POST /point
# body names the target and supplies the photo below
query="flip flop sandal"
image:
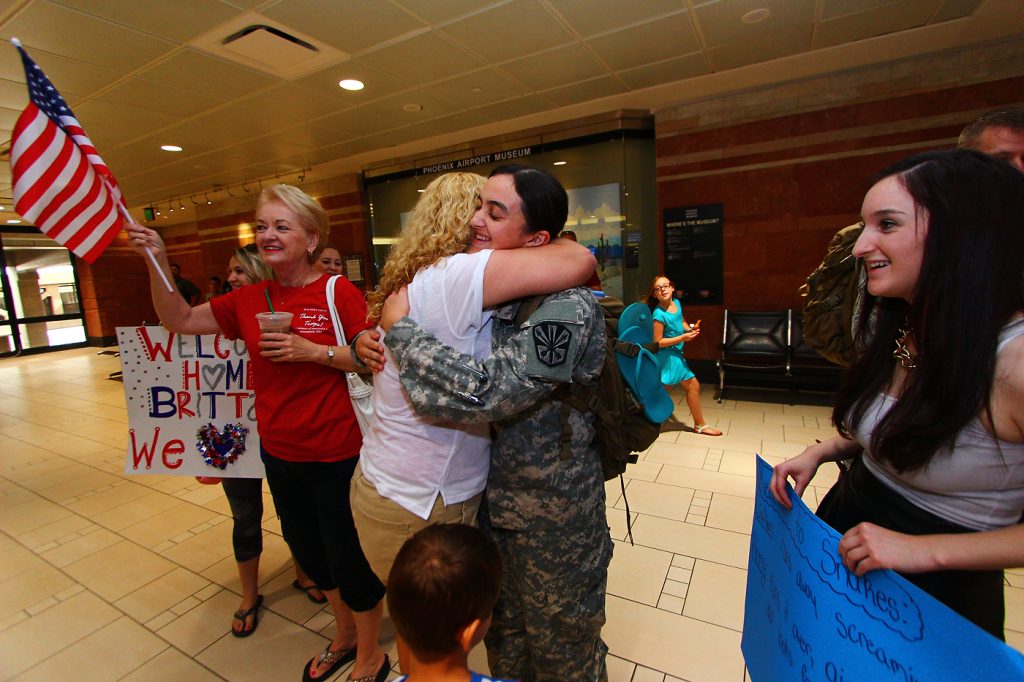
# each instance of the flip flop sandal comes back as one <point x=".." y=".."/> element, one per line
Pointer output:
<point x="309" y="592"/>
<point x="704" y="427"/>
<point x="335" y="659"/>
<point x="241" y="616"/>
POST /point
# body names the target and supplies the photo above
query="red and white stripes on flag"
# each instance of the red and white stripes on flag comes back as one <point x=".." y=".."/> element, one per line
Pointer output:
<point x="60" y="182"/>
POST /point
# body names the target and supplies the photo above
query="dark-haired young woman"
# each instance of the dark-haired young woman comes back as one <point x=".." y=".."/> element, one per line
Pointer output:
<point x="937" y="399"/>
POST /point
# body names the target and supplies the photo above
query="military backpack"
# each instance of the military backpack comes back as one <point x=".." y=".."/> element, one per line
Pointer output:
<point x="621" y="427"/>
<point x="832" y="299"/>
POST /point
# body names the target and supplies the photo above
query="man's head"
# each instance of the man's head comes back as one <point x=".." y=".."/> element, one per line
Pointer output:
<point x="998" y="133"/>
<point x="442" y="588"/>
<point x="175" y="270"/>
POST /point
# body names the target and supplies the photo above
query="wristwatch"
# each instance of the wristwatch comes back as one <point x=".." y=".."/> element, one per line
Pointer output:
<point x="330" y="355"/>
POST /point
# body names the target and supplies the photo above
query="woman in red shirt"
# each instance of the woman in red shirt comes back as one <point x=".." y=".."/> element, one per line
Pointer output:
<point x="310" y="439"/>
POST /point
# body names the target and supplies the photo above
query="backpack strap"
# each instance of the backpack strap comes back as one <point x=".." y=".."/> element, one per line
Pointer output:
<point x="527" y="308"/>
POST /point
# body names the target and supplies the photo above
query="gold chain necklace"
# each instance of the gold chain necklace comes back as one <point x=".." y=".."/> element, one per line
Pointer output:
<point x="902" y="353"/>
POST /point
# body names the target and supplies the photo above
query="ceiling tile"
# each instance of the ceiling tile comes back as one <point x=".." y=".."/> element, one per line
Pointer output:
<point x="955" y="9"/>
<point x="721" y="25"/>
<point x="266" y="150"/>
<point x="897" y="16"/>
<point x="278" y="108"/>
<point x="351" y="26"/>
<point x="198" y="135"/>
<point x="421" y="59"/>
<point x="761" y="48"/>
<point x="519" y="106"/>
<point x="68" y="32"/>
<point x="668" y="71"/>
<point x="487" y="33"/>
<point x="71" y="77"/>
<point x="604" y="86"/>
<point x="462" y="120"/>
<point x="143" y="94"/>
<point x="491" y="85"/>
<point x="556" y="67"/>
<point x="313" y="136"/>
<point x="838" y="8"/>
<point x="111" y="125"/>
<point x="591" y="17"/>
<point x="393" y="106"/>
<point x="8" y="117"/>
<point x="209" y="76"/>
<point x="178" y="21"/>
<point x="439" y="11"/>
<point x="667" y="37"/>
<point x="354" y="123"/>
<point x="378" y="84"/>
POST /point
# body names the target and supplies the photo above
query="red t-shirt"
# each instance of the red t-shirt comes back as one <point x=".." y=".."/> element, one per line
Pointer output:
<point x="303" y="412"/>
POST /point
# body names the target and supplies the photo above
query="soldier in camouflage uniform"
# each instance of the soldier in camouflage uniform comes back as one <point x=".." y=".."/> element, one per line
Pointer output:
<point x="545" y="500"/>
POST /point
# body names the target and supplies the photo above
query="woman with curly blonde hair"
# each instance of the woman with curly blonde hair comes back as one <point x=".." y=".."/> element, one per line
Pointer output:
<point x="415" y="471"/>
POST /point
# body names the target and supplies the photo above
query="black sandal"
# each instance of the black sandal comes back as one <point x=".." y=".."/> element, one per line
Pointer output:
<point x="241" y="616"/>
<point x="308" y="590"/>
<point x="335" y="659"/>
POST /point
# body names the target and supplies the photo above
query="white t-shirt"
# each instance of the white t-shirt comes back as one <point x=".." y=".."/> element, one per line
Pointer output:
<point x="410" y="459"/>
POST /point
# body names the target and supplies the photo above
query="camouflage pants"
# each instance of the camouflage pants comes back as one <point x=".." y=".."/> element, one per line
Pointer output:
<point x="547" y="623"/>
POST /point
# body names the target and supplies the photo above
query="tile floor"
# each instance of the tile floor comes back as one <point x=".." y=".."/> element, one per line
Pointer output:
<point x="110" y="577"/>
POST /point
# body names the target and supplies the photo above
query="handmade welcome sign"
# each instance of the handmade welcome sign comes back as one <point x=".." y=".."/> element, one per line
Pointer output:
<point x="807" y="618"/>
<point x="191" y="407"/>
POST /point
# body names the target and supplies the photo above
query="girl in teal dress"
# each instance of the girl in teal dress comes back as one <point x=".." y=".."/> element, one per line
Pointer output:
<point x="670" y="332"/>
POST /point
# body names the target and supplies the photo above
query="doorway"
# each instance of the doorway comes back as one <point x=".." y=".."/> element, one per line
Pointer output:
<point x="40" y="307"/>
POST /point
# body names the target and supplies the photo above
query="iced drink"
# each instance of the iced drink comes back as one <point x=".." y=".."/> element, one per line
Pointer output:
<point x="277" y="323"/>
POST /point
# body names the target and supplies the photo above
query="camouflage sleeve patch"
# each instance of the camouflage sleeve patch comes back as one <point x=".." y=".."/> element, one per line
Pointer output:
<point x="555" y="330"/>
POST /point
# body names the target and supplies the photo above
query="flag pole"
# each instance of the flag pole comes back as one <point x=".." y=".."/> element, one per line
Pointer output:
<point x="149" y="252"/>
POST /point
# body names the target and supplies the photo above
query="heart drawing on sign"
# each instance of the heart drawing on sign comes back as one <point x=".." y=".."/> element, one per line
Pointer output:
<point x="212" y="374"/>
<point x="221" y="447"/>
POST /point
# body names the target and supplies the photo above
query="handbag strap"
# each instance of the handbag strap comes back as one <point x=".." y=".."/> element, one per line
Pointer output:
<point x="339" y="330"/>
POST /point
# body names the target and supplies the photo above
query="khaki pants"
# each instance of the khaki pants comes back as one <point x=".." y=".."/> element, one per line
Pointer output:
<point x="383" y="525"/>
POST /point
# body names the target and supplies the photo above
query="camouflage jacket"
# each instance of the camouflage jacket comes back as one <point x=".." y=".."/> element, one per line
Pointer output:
<point x="529" y="485"/>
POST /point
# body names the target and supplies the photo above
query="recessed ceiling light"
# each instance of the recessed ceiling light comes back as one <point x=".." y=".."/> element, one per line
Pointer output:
<point x="477" y="90"/>
<point x="12" y="221"/>
<point x="351" y="84"/>
<point x="558" y="163"/>
<point x="170" y="147"/>
<point x="421" y="191"/>
<point x="756" y="16"/>
<point x="412" y="107"/>
<point x="3" y="208"/>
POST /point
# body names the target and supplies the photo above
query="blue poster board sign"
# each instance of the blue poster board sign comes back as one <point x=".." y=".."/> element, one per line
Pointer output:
<point x="807" y="618"/>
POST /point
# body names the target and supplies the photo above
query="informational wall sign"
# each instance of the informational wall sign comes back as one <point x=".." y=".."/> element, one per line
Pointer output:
<point x="693" y="252"/>
<point x="808" y="619"/>
<point x="191" y="407"/>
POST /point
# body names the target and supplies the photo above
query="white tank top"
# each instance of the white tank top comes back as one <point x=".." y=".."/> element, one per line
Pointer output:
<point x="978" y="482"/>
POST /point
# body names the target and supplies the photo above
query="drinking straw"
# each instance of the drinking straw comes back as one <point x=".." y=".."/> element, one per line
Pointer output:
<point x="267" y="294"/>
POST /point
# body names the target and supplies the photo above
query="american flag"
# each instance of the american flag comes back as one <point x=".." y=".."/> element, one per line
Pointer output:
<point x="60" y="182"/>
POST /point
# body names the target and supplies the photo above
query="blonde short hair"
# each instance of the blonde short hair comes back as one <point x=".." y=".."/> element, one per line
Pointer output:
<point x="437" y="227"/>
<point x="252" y="265"/>
<point x="312" y="216"/>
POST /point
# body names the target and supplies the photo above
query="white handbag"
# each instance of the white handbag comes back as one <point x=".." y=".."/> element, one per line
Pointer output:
<point x="360" y="391"/>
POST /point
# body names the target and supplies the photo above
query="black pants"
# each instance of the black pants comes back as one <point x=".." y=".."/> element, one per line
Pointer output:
<point x="316" y="520"/>
<point x="245" y="496"/>
<point x="859" y="496"/>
